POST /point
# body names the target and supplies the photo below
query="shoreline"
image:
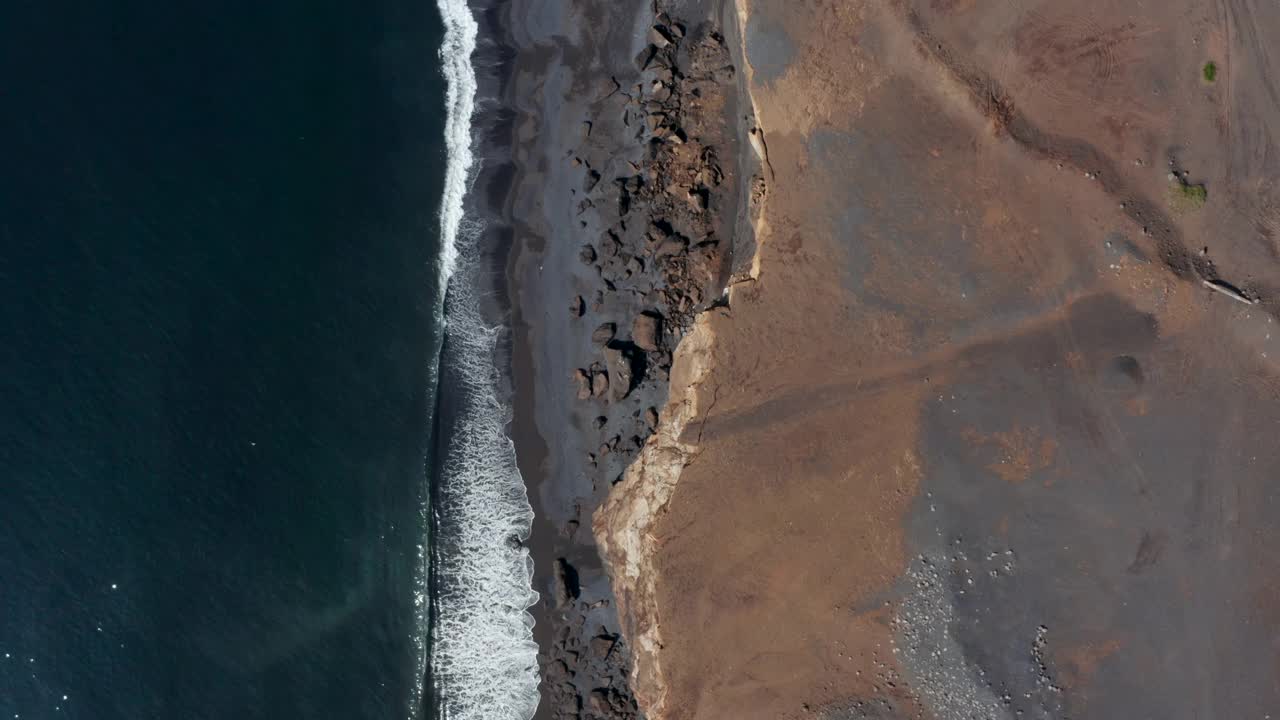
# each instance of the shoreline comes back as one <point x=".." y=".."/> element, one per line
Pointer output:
<point x="479" y="498"/>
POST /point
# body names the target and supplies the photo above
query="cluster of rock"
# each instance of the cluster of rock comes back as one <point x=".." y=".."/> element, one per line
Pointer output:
<point x="662" y="245"/>
<point x="660" y="258"/>
<point x="605" y="659"/>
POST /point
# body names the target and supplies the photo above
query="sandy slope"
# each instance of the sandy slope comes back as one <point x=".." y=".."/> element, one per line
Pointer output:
<point x="977" y="440"/>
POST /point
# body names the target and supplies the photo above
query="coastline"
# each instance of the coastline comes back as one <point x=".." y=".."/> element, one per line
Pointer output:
<point x="482" y="658"/>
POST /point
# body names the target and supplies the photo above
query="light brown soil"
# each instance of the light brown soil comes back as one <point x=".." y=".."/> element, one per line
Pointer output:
<point x="977" y="440"/>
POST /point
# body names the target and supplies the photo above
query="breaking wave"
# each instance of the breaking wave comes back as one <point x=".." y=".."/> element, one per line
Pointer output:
<point x="481" y="659"/>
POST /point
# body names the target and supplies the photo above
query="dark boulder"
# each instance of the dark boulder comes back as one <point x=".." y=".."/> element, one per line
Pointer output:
<point x="567" y="585"/>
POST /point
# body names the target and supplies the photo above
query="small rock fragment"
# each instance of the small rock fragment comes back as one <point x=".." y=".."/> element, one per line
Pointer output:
<point x="567" y="587"/>
<point x="674" y="245"/>
<point x="660" y="36"/>
<point x="602" y="645"/>
<point x="646" y="331"/>
<point x="645" y="57"/>
<point x="584" y="383"/>
<point x="619" y="371"/>
<point x="603" y="334"/>
<point x="599" y="384"/>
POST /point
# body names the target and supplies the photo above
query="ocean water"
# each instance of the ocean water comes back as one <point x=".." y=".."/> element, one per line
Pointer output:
<point x="222" y="257"/>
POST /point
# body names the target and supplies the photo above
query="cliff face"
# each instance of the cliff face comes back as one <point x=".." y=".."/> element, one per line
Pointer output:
<point x="625" y="524"/>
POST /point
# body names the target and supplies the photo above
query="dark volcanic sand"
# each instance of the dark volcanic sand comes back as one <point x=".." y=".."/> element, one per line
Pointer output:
<point x="568" y="56"/>
<point x="544" y="269"/>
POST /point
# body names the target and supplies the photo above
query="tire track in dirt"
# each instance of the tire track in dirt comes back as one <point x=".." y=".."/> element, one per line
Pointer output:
<point x="1251" y="150"/>
<point x="1055" y="47"/>
<point x="997" y="105"/>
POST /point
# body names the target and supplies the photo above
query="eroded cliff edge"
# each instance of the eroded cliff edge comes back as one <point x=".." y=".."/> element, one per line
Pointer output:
<point x="624" y="523"/>
<point x="627" y="176"/>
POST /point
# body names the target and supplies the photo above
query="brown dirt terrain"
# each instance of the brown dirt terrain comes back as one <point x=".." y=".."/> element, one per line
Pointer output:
<point x="978" y="440"/>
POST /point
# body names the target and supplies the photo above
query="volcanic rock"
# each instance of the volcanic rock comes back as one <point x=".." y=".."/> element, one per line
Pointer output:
<point x="660" y="36"/>
<point x="567" y="587"/>
<point x="603" y="334"/>
<point x="620" y="370"/>
<point x="584" y="383"/>
<point x="602" y="645"/>
<point x="599" y="384"/>
<point x="674" y="245"/>
<point x="646" y="331"/>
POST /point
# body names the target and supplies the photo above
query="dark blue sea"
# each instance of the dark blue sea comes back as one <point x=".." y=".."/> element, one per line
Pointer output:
<point x="220" y="314"/>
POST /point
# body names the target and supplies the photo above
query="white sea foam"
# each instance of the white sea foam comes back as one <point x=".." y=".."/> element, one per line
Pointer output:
<point x="483" y="660"/>
<point x="460" y="31"/>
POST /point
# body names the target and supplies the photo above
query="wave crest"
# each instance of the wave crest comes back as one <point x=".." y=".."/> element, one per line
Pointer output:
<point x="483" y="660"/>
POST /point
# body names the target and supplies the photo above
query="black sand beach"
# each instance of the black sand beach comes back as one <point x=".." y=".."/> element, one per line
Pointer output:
<point x="587" y="285"/>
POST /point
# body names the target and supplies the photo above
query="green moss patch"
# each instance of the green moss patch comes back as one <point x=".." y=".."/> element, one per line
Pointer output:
<point x="1185" y="196"/>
